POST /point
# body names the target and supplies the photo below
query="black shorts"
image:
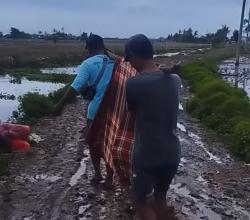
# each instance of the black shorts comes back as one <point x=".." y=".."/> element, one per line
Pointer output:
<point x="152" y="183"/>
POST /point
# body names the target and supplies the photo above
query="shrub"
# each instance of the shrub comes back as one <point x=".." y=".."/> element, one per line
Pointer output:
<point x="213" y="87"/>
<point x="234" y="106"/>
<point x="209" y="105"/>
<point x="193" y="106"/>
<point x="33" y="105"/>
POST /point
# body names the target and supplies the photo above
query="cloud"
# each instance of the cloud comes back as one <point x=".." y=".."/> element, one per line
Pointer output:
<point x="118" y="17"/>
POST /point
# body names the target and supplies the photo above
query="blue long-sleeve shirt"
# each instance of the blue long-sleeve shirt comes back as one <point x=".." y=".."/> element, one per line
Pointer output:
<point x="87" y="74"/>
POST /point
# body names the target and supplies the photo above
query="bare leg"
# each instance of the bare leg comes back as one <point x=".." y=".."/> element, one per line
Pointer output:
<point x="109" y="177"/>
<point x="96" y="160"/>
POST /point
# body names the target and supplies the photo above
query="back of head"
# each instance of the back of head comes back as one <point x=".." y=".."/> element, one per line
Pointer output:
<point x="95" y="43"/>
<point x="139" y="46"/>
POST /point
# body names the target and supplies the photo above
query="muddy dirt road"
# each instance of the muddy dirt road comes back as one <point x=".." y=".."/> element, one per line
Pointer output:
<point x="52" y="182"/>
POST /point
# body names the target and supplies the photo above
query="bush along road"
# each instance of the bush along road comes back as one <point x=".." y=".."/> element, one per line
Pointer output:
<point x="52" y="181"/>
<point x="222" y="108"/>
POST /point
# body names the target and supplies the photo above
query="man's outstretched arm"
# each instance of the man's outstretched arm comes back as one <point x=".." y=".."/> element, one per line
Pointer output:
<point x="67" y="97"/>
<point x="78" y="84"/>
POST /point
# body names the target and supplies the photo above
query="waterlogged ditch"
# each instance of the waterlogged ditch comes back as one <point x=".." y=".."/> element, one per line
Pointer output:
<point x="242" y="79"/>
<point x="11" y="88"/>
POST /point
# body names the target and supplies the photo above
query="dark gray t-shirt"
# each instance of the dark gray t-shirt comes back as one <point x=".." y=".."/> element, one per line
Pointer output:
<point x="154" y="98"/>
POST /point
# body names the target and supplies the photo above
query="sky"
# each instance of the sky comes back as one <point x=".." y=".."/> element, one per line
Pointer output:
<point x="120" y="18"/>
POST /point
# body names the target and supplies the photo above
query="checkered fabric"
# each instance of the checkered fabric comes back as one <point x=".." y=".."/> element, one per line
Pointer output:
<point x="112" y="130"/>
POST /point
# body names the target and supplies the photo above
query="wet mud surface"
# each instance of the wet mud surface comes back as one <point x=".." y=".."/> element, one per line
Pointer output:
<point x="53" y="181"/>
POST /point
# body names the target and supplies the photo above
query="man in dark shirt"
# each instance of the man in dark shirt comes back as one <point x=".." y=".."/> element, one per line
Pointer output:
<point x="153" y="97"/>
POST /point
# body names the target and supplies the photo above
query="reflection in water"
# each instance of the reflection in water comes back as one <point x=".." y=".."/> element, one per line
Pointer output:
<point x="242" y="78"/>
<point x="10" y="92"/>
<point x="16" y="80"/>
<point x="6" y="96"/>
<point x="63" y="70"/>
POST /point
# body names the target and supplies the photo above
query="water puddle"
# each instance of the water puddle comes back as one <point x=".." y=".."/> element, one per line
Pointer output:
<point x="181" y="127"/>
<point x="241" y="210"/>
<point x="183" y="53"/>
<point x="198" y="141"/>
<point x="61" y="70"/>
<point x="167" y="54"/>
<point x="201" y="179"/>
<point x="181" y="190"/>
<point x="181" y="107"/>
<point x="203" y="212"/>
<point x="43" y="177"/>
<point x="208" y="213"/>
<point x="81" y="170"/>
<point x="83" y="209"/>
<point x="7" y="86"/>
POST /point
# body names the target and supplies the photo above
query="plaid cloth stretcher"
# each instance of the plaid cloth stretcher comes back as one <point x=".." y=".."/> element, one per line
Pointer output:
<point x="112" y="130"/>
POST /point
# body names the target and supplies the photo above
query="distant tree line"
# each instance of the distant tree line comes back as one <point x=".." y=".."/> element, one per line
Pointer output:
<point x="190" y="36"/>
<point x="187" y="35"/>
<point x="56" y="35"/>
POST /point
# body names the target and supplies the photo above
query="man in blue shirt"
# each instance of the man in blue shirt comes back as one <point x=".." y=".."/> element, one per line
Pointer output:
<point x="87" y="75"/>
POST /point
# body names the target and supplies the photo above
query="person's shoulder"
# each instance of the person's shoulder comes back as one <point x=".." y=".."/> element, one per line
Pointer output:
<point x="131" y="82"/>
<point x="93" y="59"/>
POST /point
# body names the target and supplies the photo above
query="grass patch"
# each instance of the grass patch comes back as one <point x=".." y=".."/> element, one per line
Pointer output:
<point x="34" y="105"/>
<point x="221" y="107"/>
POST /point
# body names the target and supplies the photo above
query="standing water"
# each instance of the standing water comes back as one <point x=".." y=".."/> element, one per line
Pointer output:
<point x="11" y="89"/>
<point x="227" y="70"/>
<point x="61" y="70"/>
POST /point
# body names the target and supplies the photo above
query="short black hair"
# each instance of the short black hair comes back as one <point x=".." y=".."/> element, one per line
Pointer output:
<point x="139" y="46"/>
<point x="94" y="42"/>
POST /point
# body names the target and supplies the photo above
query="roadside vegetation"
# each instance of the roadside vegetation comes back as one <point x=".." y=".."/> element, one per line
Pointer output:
<point x="33" y="106"/>
<point x="221" y="107"/>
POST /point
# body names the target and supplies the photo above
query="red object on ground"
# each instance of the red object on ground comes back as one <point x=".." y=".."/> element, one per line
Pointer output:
<point x="14" y="131"/>
<point x="16" y="136"/>
<point x="19" y="145"/>
<point x="19" y="131"/>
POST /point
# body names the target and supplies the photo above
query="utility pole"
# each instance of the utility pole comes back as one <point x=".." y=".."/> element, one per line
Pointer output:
<point x="240" y="34"/>
<point x="248" y="26"/>
<point x="237" y="63"/>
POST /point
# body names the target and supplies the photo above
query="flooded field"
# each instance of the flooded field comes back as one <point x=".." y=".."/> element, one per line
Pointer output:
<point x="11" y="88"/>
<point x="229" y="73"/>
<point x="182" y="52"/>
<point x="61" y="70"/>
